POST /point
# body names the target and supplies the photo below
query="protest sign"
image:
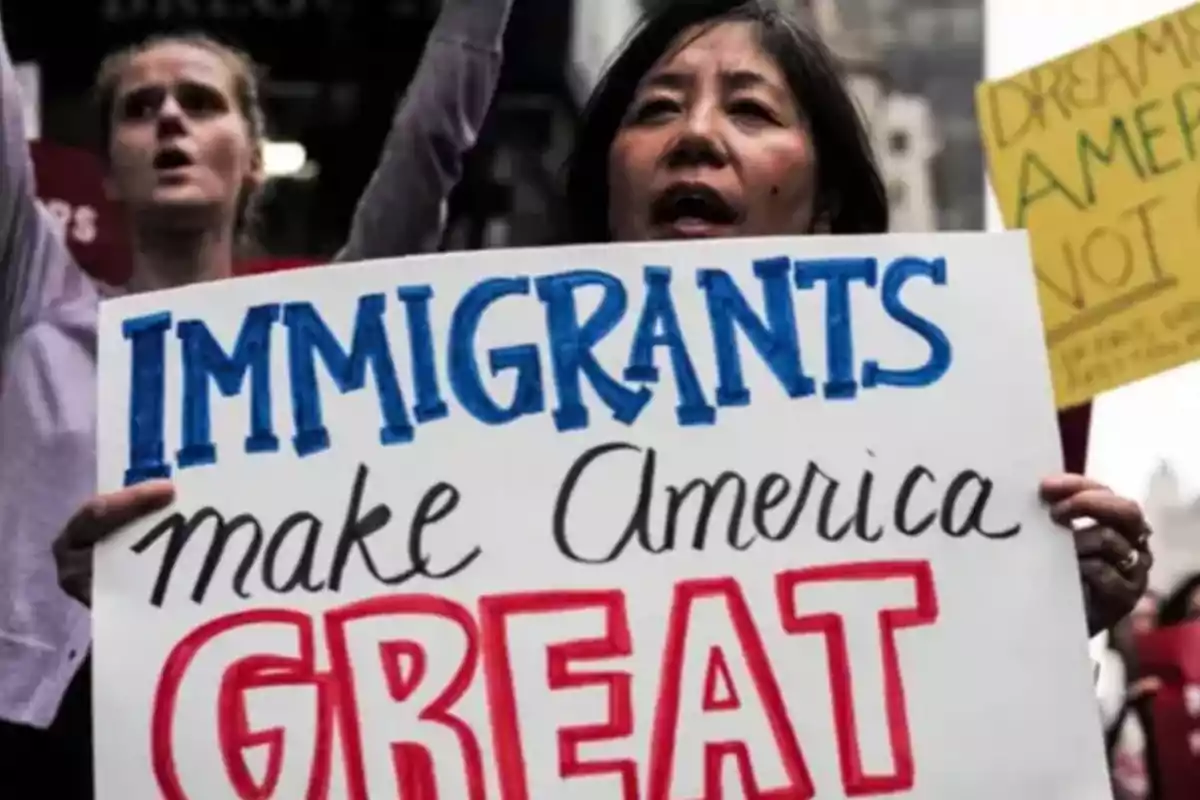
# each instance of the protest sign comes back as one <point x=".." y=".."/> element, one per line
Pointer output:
<point x="748" y="518"/>
<point x="1093" y="153"/>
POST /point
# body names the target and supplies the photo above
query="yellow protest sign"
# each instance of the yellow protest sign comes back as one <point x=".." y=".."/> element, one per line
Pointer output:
<point x="1096" y="154"/>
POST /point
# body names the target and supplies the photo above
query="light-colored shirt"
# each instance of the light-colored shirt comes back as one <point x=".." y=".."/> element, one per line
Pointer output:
<point x="48" y="315"/>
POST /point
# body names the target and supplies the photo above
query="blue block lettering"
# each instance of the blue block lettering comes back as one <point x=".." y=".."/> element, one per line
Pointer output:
<point x="836" y="273"/>
<point x="430" y="405"/>
<point x="775" y="341"/>
<point x="940" y="352"/>
<point x="659" y="327"/>
<point x="571" y="345"/>
<point x="203" y="358"/>
<point x="147" y="337"/>
<point x="528" y="396"/>
<point x="309" y="336"/>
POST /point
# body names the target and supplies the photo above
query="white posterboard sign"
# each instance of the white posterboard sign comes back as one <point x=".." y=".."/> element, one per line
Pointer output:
<point x="747" y="518"/>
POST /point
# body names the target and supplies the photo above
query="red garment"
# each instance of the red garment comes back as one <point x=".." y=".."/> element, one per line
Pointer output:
<point x="262" y="265"/>
<point x="1172" y="654"/>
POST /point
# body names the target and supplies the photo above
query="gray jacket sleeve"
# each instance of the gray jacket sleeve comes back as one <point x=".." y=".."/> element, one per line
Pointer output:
<point x="35" y="264"/>
<point x="402" y="210"/>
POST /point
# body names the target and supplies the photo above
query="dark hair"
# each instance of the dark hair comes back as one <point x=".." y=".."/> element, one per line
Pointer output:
<point x="1176" y="608"/>
<point x="850" y="193"/>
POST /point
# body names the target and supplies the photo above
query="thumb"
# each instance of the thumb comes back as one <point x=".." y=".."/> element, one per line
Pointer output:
<point x="107" y="513"/>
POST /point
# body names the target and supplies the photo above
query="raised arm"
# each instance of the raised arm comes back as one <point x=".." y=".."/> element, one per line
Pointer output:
<point x="402" y="209"/>
<point x="34" y="261"/>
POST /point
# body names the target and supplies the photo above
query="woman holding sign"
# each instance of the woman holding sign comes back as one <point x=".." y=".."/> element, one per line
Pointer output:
<point x="722" y="120"/>
<point x="182" y="137"/>
<point x="729" y="119"/>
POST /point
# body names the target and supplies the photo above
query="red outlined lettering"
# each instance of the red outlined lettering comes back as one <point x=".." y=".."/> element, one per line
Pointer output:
<point x="398" y="694"/>
<point x="233" y="730"/>
<point x="663" y="738"/>
<point x="414" y="764"/>
<point x="855" y="780"/>
<point x="719" y="692"/>
<point x="494" y="614"/>
<point x="236" y="737"/>
<point x="393" y="657"/>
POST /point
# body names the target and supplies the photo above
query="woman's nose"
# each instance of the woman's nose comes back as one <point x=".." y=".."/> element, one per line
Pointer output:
<point x="170" y="105"/>
<point x="702" y="119"/>
<point x="170" y="115"/>
<point x="699" y="142"/>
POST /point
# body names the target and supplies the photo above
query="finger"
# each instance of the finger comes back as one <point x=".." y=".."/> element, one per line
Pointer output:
<point x="1105" y="545"/>
<point x="1116" y="581"/>
<point x="1145" y="686"/>
<point x="107" y="513"/>
<point x="1109" y="591"/>
<point x="74" y="568"/>
<point x="1057" y="487"/>
<point x="76" y="587"/>
<point x="1110" y="583"/>
<point x="1120" y="513"/>
<point x="1146" y="563"/>
<point x="1141" y="692"/>
<point x="1099" y="542"/>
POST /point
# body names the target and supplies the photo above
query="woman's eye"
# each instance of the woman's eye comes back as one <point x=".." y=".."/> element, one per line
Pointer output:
<point x="655" y="109"/>
<point x="197" y="99"/>
<point x="141" y="104"/>
<point x="751" y="109"/>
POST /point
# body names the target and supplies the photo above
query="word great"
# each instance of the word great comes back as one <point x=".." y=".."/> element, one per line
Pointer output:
<point x="397" y="694"/>
<point x="570" y="344"/>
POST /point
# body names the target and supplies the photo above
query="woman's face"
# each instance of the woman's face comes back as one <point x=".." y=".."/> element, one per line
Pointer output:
<point x="713" y="144"/>
<point x="179" y="142"/>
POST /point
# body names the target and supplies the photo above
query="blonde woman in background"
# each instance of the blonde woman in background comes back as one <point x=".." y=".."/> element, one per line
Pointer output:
<point x="182" y="138"/>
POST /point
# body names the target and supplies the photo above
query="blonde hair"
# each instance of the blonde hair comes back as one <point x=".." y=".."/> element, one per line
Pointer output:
<point x="245" y="77"/>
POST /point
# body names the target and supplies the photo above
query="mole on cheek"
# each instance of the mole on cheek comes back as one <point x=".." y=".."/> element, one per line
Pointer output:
<point x="774" y="190"/>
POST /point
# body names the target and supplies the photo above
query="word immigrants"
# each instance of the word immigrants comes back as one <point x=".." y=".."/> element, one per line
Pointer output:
<point x="571" y="342"/>
<point x="427" y="700"/>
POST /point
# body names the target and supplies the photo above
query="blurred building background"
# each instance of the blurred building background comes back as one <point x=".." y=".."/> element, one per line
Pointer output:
<point x="915" y="64"/>
<point x="336" y="69"/>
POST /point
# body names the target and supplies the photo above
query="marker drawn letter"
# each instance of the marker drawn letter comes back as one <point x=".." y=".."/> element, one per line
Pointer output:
<point x="804" y="608"/>
<point x="401" y="663"/>
<point x="508" y="691"/>
<point x="717" y="684"/>
<point x="203" y="358"/>
<point x="308" y="338"/>
<point x="194" y="742"/>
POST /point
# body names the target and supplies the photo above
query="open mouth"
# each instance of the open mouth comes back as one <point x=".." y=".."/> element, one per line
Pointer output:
<point x="171" y="158"/>
<point x="693" y="203"/>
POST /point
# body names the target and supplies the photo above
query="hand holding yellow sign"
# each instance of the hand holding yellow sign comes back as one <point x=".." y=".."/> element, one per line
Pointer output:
<point x="1095" y="153"/>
